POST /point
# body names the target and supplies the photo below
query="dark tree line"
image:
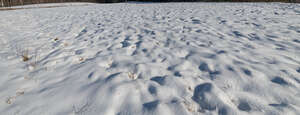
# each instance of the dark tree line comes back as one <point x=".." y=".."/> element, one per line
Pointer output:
<point x="9" y="3"/>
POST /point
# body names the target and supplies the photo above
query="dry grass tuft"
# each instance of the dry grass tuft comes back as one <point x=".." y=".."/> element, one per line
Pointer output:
<point x="55" y="39"/>
<point x="189" y="106"/>
<point x="25" y="56"/>
<point x="9" y="100"/>
<point x="31" y="59"/>
<point x="132" y="76"/>
<point x="190" y="88"/>
<point x="81" y="59"/>
<point x="19" y="93"/>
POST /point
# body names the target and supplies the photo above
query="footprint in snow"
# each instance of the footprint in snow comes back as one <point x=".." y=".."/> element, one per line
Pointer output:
<point x="246" y="71"/>
<point x="279" y="80"/>
<point x="204" y="67"/>
<point x="160" y="80"/>
<point x="230" y="68"/>
<point x="79" y="52"/>
<point x="201" y="95"/>
<point x="112" y="76"/>
<point x="152" y="90"/>
<point x="150" y="106"/>
<point x="91" y="75"/>
<point x="223" y="111"/>
<point x="221" y="52"/>
<point x="298" y="70"/>
<point x="196" y="21"/>
<point x="244" y="106"/>
<point x="279" y="105"/>
<point x="296" y="41"/>
<point x="125" y="43"/>
<point x="238" y="34"/>
<point x="177" y="74"/>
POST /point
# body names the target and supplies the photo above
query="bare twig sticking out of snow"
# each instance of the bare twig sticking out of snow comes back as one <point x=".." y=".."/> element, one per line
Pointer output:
<point x="35" y="59"/>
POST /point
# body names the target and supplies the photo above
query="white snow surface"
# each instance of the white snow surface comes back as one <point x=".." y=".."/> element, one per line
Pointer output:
<point x="151" y="59"/>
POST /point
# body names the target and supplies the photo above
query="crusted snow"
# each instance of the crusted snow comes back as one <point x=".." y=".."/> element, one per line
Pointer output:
<point x="151" y="58"/>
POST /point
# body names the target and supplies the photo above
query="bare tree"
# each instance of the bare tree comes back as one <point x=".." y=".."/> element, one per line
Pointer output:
<point x="8" y="3"/>
<point x="2" y="4"/>
<point x="21" y="2"/>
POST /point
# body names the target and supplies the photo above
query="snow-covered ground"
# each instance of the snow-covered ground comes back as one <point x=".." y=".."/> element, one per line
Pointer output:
<point x="151" y="58"/>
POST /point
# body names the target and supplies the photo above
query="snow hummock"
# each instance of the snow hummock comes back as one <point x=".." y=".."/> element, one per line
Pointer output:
<point x="151" y="58"/>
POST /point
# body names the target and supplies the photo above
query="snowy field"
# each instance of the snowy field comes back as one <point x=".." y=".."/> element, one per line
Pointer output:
<point x="151" y="59"/>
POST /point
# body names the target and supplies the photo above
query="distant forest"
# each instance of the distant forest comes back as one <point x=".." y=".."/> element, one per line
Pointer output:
<point x="8" y="3"/>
